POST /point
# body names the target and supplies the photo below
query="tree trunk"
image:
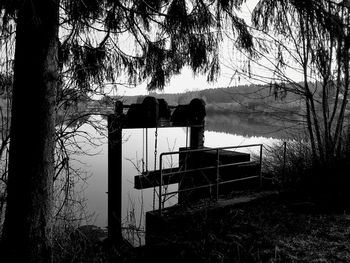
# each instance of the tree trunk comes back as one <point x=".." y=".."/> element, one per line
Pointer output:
<point x="27" y="226"/>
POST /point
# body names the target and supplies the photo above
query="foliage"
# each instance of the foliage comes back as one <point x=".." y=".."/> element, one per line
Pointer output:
<point x="89" y="52"/>
<point x="309" y="40"/>
<point x="79" y="244"/>
<point x="69" y="181"/>
<point x="288" y="165"/>
<point x="164" y="35"/>
<point x="290" y="168"/>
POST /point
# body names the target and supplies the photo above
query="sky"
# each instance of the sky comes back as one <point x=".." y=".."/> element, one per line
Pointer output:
<point x="183" y="82"/>
<point x="186" y="81"/>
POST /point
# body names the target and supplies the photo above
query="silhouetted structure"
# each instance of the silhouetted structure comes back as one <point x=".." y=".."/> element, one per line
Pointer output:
<point x="200" y="172"/>
<point x="151" y="113"/>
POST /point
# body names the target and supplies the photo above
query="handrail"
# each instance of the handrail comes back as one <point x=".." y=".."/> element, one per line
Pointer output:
<point x="207" y="168"/>
<point x="211" y="149"/>
<point x="217" y="166"/>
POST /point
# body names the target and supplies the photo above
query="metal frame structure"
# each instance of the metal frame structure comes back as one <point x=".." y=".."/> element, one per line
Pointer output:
<point x="217" y="167"/>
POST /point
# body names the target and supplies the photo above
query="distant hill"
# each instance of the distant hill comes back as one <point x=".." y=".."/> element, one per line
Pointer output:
<point x="219" y="95"/>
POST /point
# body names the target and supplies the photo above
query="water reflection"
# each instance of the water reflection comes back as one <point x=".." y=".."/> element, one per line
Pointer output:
<point x="135" y="159"/>
<point x="254" y="125"/>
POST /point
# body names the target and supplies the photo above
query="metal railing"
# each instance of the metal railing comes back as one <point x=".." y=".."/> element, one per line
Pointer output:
<point x="217" y="167"/>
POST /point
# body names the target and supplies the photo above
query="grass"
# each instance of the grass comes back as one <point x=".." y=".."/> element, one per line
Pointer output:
<point x="278" y="228"/>
<point x="287" y="164"/>
<point x="290" y="231"/>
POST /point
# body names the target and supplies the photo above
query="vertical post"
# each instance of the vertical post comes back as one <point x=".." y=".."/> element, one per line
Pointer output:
<point x="146" y="150"/>
<point x="195" y="118"/>
<point x="217" y="173"/>
<point x="260" y="172"/>
<point x="160" y="183"/>
<point x="192" y="160"/>
<point x="186" y="136"/>
<point x="196" y="114"/>
<point x="115" y="174"/>
<point x="197" y="137"/>
<point x="284" y="161"/>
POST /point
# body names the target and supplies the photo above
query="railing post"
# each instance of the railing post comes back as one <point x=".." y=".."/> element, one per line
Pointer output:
<point x="217" y="173"/>
<point x="260" y="172"/>
<point x="160" y="183"/>
<point x="284" y="161"/>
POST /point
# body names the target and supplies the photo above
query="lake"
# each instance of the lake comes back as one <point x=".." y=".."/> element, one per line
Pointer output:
<point x="136" y="202"/>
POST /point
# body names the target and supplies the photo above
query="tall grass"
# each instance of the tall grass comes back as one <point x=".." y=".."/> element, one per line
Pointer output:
<point x="287" y="164"/>
<point x="291" y="166"/>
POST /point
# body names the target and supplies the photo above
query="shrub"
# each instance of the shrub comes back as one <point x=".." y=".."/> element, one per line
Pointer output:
<point x="288" y="165"/>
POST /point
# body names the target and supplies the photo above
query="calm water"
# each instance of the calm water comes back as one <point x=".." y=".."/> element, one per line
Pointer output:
<point x="137" y="202"/>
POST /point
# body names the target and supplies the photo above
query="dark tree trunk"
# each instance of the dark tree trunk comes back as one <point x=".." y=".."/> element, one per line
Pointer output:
<point x="26" y="232"/>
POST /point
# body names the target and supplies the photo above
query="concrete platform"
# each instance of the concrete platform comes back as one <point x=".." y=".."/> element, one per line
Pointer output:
<point x="177" y="220"/>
